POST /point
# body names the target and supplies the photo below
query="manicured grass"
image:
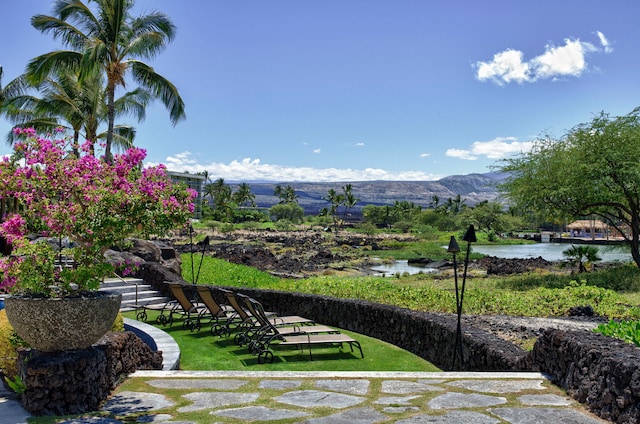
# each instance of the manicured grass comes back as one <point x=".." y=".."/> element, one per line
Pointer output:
<point x="200" y="350"/>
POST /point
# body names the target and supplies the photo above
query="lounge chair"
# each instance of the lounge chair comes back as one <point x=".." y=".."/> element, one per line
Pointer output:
<point x="248" y="322"/>
<point x="142" y="313"/>
<point x="222" y="315"/>
<point x="265" y="332"/>
<point x="180" y="305"/>
<point x="300" y="339"/>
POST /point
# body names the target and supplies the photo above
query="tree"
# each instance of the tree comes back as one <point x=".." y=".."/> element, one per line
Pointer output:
<point x="114" y="41"/>
<point x="243" y="196"/>
<point x="67" y="102"/>
<point x="454" y="205"/>
<point x="1" y="89"/>
<point x="377" y="215"/>
<point x="285" y="194"/>
<point x="593" y="170"/>
<point x="335" y="199"/>
<point x="582" y="256"/>
<point x="346" y="199"/>
<point x="287" y="211"/>
<point x="349" y="200"/>
<point x="405" y="211"/>
<point x="435" y="201"/>
<point x="220" y="194"/>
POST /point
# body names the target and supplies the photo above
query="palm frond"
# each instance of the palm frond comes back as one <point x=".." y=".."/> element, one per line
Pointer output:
<point x="160" y="87"/>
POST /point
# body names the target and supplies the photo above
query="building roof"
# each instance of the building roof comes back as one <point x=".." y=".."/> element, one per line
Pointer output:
<point x="587" y="224"/>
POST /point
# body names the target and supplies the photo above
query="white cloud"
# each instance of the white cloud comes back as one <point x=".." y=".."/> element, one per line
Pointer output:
<point x="460" y="154"/>
<point x="497" y="148"/>
<point x="181" y="159"/>
<point x="604" y="42"/>
<point x="506" y="66"/>
<point x="564" y="60"/>
<point x="359" y="144"/>
<point x="316" y="151"/>
<point x="425" y="155"/>
<point x="249" y="169"/>
<point x="557" y="61"/>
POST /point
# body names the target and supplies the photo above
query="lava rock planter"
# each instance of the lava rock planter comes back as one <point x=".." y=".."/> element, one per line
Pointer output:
<point x="67" y="323"/>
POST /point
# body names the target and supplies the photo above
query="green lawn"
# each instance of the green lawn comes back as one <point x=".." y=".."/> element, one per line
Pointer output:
<point x="200" y="350"/>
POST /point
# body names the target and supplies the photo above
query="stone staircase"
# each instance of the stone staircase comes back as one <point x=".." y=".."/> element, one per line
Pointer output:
<point x="134" y="292"/>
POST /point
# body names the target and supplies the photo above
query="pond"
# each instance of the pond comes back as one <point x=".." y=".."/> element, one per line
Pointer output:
<point x="548" y="251"/>
<point x="400" y="267"/>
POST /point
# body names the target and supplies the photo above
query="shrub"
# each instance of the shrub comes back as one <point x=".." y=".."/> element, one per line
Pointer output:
<point x="9" y="342"/>
<point x="118" y="324"/>
<point x="629" y="331"/>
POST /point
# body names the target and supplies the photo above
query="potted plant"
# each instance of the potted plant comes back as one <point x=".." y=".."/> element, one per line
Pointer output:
<point x="65" y="193"/>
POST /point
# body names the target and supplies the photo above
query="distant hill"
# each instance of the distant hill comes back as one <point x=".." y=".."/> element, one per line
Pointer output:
<point x="473" y="188"/>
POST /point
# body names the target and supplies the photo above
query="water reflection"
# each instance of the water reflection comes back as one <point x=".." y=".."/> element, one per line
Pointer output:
<point x="400" y="267"/>
<point x="549" y="251"/>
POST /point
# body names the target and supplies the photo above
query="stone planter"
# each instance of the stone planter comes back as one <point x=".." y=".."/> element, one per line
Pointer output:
<point x="58" y="324"/>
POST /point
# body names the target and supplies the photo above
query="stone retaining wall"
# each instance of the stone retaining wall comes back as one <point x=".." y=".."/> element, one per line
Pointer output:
<point x="78" y="381"/>
<point x="599" y="371"/>
<point x="429" y="336"/>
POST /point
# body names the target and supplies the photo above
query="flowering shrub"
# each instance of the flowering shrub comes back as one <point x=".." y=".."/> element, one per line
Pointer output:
<point x="94" y="203"/>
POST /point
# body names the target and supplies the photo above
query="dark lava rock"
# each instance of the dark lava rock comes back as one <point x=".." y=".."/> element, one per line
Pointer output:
<point x="502" y="266"/>
<point x="582" y="311"/>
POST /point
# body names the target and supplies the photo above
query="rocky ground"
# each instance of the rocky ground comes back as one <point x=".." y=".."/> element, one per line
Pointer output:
<point x="300" y="254"/>
<point x="305" y="253"/>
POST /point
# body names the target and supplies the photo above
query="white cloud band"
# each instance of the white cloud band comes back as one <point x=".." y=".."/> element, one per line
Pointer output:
<point x="497" y="148"/>
<point x="557" y="61"/>
<point x="249" y="169"/>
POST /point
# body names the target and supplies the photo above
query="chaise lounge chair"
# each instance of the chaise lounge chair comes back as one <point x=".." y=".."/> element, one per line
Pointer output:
<point x="300" y="339"/>
<point x="249" y="323"/>
<point x="180" y="305"/>
<point x="222" y="315"/>
<point x="265" y="332"/>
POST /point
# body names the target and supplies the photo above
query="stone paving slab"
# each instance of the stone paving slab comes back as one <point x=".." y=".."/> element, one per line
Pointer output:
<point x="340" y="397"/>
<point x="542" y="415"/>
<point x="266" y="414"/>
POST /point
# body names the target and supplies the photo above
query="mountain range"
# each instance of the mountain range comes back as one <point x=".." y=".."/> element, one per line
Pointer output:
<point x="472" y="188"/>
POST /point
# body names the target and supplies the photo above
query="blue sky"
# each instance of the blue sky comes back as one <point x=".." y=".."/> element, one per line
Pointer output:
<point x="353" y="90"/>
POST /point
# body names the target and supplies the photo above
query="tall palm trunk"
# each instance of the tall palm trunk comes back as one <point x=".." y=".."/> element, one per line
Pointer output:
<point x="111" y="113"/>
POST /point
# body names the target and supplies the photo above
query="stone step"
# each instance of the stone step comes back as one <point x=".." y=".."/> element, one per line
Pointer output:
<point x="141" y="294"/>
<point x="130" y="288"/>
<point x="134" y="292"/>
<point x="125" y="282"/>
<point x="155" y="300"/>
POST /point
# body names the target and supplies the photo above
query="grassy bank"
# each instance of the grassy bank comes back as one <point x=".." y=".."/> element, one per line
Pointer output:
<point x="611" y="292"/>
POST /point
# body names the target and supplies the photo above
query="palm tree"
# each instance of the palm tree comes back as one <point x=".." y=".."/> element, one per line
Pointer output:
<point x="206" y="176"/>
<point x="220" y="193"/>
<point x="582" y="256"/>
<point x="349" y="200"/>
<point x="285" y="194"/>
<point x="335" y="199"/>
<point x="68" y="102"/>
<point x="455" y="205"/>
<point x="435" y="200"/>
<point x="243" y="196"/>
<point x="1" y="90"/>
<point x="113" y="41"/>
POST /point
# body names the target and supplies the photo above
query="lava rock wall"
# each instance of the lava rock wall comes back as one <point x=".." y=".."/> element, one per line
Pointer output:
<point x="78" y="381"/>
<point x="599" y="371"/>
<point x="430" y="336"/>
